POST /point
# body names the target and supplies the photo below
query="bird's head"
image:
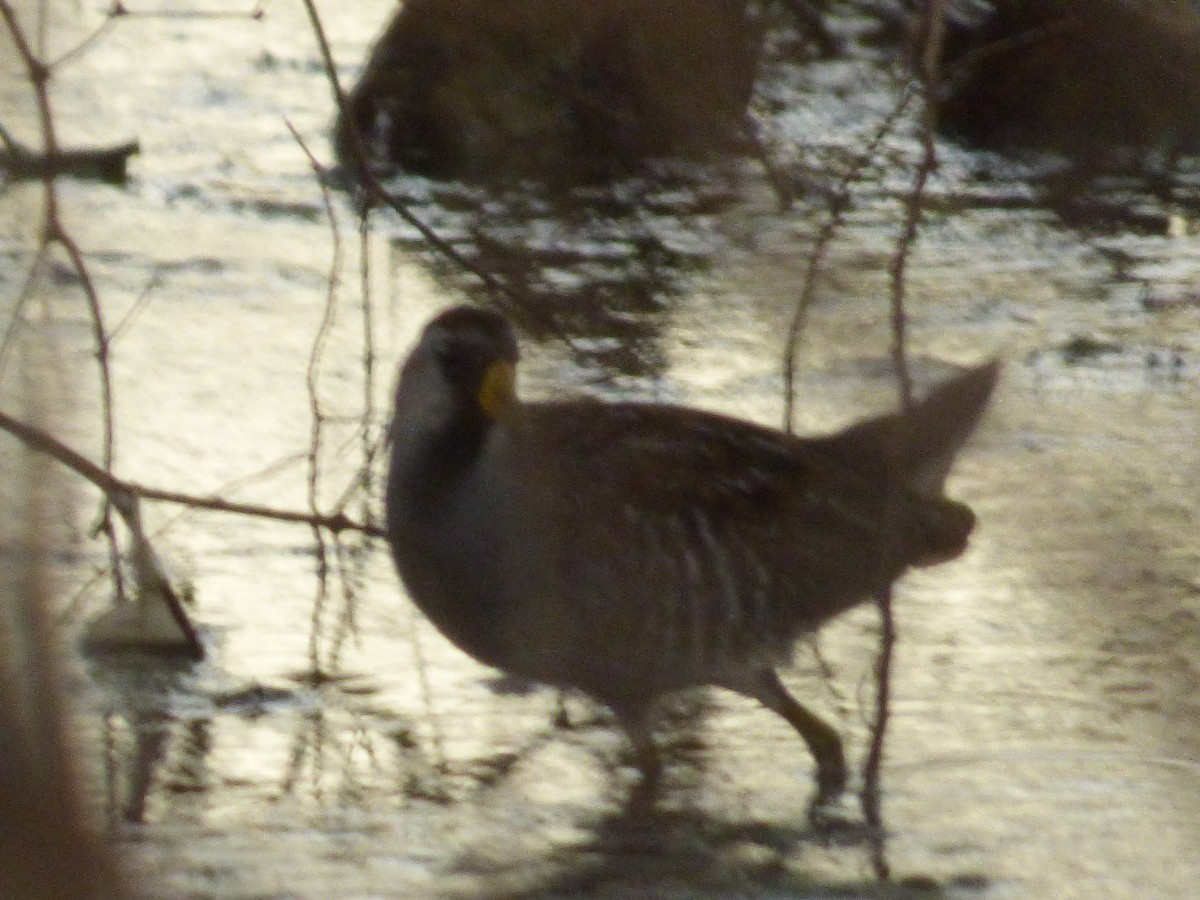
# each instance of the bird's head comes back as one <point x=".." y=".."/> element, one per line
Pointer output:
<point x="464" y="366"/>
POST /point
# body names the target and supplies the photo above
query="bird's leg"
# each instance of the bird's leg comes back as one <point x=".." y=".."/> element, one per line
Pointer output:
<point x="823" y="741"/>
<point x="562" y="718"/>
<point x="646" y="756"/>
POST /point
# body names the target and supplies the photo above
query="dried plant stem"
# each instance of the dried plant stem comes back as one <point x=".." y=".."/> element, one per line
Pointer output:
<point x="376" y="193"/>
<point x="370" y="444"/>
<point x="361" y="483"/>
<point x="312" y="384"/>
<point x="928" y="51"/>
<point x="839" y="205"/>
<point x="53" y="231"/>
<point x="8" y="341"/>
<point x="111" y="485"/>
<point x="52" y="228"/>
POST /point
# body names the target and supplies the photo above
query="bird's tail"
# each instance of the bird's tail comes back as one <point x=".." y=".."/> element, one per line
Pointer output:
<point x="920" y="446"/>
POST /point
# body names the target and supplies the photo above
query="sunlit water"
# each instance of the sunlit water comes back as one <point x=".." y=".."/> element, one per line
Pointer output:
<point x="1047" y="697"/>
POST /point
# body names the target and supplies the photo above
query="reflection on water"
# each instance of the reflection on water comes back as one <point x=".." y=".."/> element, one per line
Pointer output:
<point x="597" y="268"/>
<point x="1048" y="688"/>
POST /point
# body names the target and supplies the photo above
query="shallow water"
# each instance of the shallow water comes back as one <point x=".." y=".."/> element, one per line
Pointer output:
<point x="1047" y="697"/>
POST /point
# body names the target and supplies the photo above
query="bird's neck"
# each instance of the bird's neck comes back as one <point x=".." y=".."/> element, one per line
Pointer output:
<point x="427" y="469"/>
<point x="440" y="518"/>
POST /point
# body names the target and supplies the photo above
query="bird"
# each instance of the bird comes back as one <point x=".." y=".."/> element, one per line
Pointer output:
<point x="634" y="550"/>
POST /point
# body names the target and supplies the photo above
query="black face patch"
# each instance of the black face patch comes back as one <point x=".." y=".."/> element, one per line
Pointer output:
<point x="467" y="341"/>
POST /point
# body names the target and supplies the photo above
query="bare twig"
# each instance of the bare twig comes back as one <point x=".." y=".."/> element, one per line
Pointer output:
<point x="12" y="329"/>
<point x="347" y="621"/>
<point x="370" y="443"/>
<point x="85" y="44"/>
<point x="927" y="54"/>
<point x="839" y="205"/>
<point x="376" y="193"/>
<point x="54" y="232"/>
<point x="311" y="380"/>
<point x="111" y="485"/>
<point x="350" y="563"/>
<point x="139" y="304"/>
<point x="152" y="581"/>
<point x="360" y="484"/>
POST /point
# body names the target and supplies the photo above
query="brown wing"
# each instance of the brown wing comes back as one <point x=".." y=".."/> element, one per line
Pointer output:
<point x="656" y="460"/>
<point x="696" y="541"/>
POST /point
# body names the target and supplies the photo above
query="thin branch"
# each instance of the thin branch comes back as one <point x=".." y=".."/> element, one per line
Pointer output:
<point x="374" y="191"/>
<point x="99" y="336"/>
<point x="111" y="485"/>
<point x="316" y="670"/>
<point x="927" y="53"/>
<point x="139" y="305"/>
<point x="53" y="231"/>
<point x="14" y="322"/>
<point x="83" y="45"/>
<point x="369" y="443"/>
<point x="839" y="205"/>
<point x="347" y="622"/>
<point x="360" y="483"/>
<point x="312" y="376"/>
<point x="149" y="574"/>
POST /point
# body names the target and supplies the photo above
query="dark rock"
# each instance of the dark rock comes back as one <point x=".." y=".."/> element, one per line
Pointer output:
<point x="1084" y="78"/>
<point x="559" y="89"/>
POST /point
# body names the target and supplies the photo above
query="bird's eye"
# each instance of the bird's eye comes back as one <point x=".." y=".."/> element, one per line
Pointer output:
<point x="461" y="362"/>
